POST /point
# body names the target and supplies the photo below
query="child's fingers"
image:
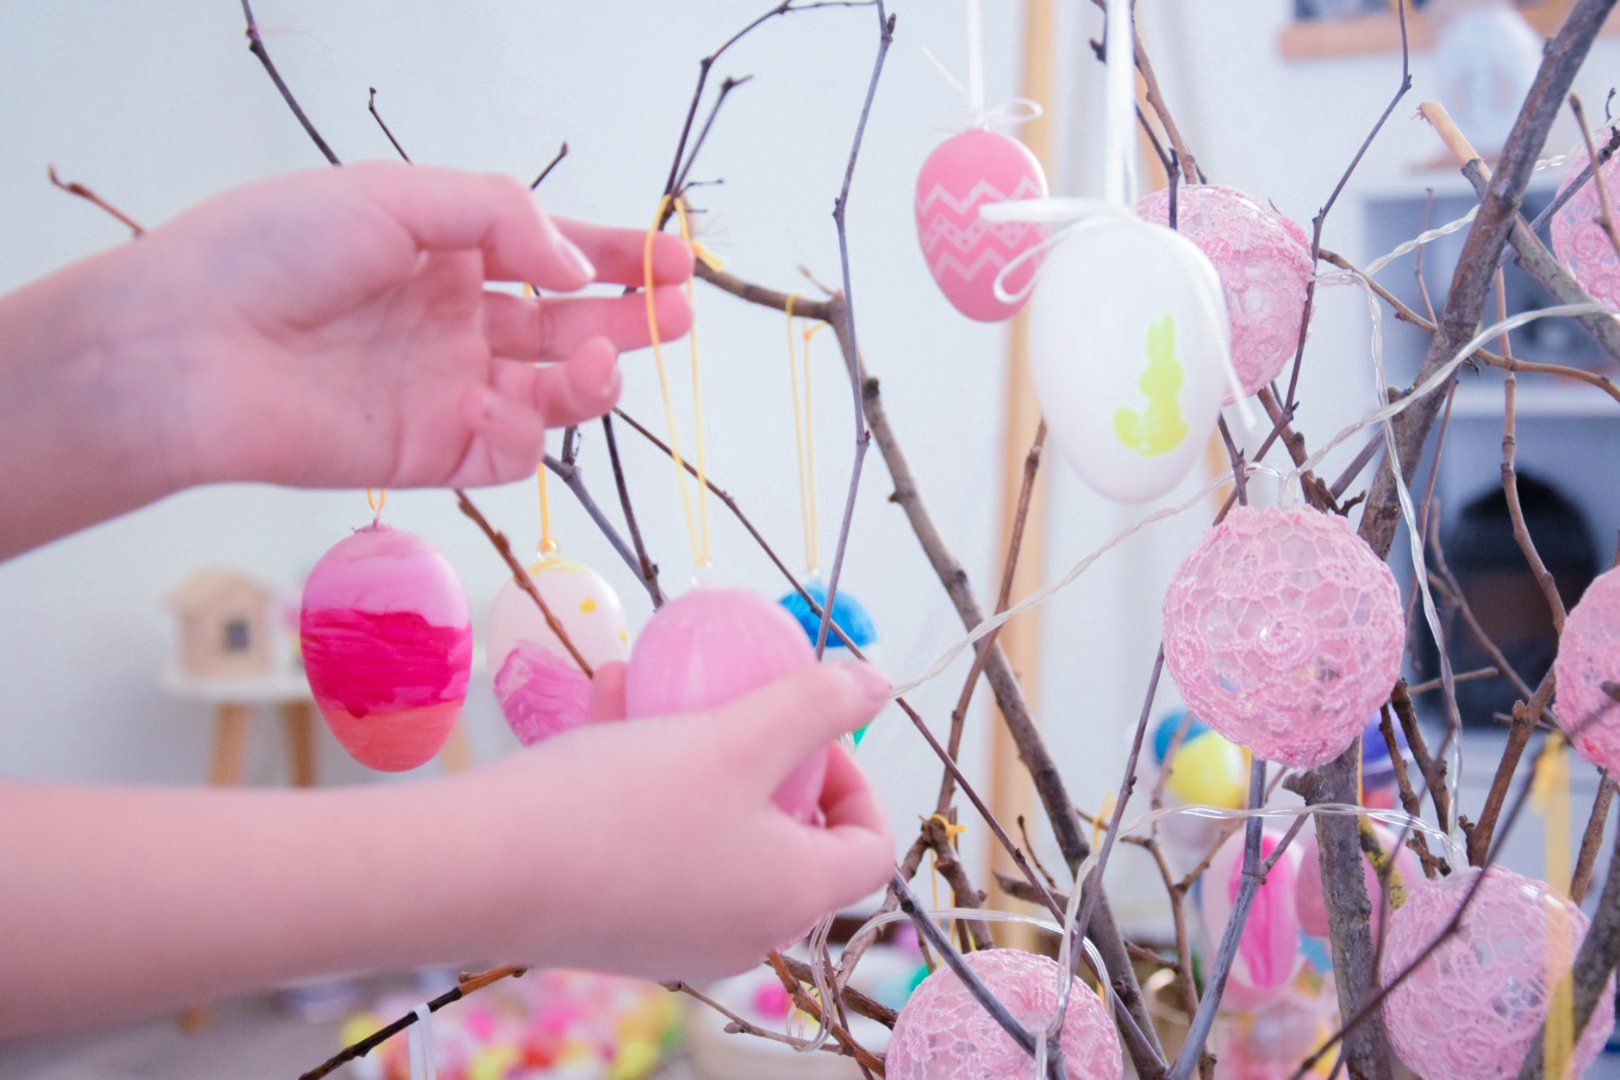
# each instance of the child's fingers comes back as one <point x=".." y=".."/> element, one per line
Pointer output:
<point x="582" y="388"/>
<point x="780" y="725"/>
<point x="527" y="328"/>
<point x="618" y="254"/>
<point x="846" y="797"/>
<point x="445" y="210"/>
<point x="607" y="692"/>
<point x="853" y="854"/>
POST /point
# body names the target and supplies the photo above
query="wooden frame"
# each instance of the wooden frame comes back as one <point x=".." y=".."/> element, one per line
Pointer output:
<point x="1314" y="39"/>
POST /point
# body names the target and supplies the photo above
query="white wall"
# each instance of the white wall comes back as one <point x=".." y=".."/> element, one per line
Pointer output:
<point x="156" y="106"/>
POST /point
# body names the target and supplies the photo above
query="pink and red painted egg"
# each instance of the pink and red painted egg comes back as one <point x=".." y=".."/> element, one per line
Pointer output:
<point x="387" y="646"/>
<point x="965" y="173"/>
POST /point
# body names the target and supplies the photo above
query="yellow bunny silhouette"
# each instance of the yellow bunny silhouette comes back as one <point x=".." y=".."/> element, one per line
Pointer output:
<point x="1159" y="428"/>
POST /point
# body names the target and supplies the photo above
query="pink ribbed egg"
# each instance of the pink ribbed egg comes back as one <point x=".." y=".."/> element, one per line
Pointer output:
<point x="964" y="253"/>
<point x="1589" y="659"/>
<point x="1581" y="243"/>
<point x="1284" y="632"/>
<point x="943" y="1033"/>
<point x="711" y="646"/>
<point x="1264" y="263"/>
<point x="387" y="646"/>
<point x="1268" y="955"/>
<point x="1312" y="904"/>
<point x="1472" y="1009"/>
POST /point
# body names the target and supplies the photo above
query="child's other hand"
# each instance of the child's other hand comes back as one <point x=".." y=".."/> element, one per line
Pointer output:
<point x="673" y="861"/>
<point x="332" y="328"/>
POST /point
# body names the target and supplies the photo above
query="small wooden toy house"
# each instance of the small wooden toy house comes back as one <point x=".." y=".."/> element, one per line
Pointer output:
<point x="224" y="625"/>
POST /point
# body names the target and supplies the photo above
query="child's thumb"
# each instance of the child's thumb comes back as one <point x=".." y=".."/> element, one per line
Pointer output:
<point x="607" y="693"/>
<point x="781" y="724"/>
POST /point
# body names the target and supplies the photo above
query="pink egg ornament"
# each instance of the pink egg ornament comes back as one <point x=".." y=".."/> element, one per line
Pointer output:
<point x="387" y="646"/>
<point x="712" y="646"/>
<point x="1264" y="263"/>
<point x="1268" y="955"/>
<point x="943" y="1033"/>
<point x="1312" y="904"/>
<point x="1581" y="243"/>
<point x="541" y="689"/>
<point x="964" y="253"/>
<point x="1472" y="1009"/>
<point x="1589" y="658"/>
<point x="1284" y="632"/>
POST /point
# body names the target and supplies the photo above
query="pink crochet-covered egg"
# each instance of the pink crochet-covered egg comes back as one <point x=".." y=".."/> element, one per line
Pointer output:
<point x="387" y="646"/>
<point x="1284" y="632"/>
<point x="943" y="1033"/>
<point x="711" y="646"/>
<point x="1581" y="243"/>
<point x="541" y="690"/>
<point x="1472" y="1009"/>
<point x="1587" y="672"/>
<point x="1264" y="263"/>
<point x="964" y="252"/>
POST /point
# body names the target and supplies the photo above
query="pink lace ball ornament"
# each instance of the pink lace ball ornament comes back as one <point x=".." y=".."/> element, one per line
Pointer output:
<point x="965" y="253"/>
<point x="943" y="1033"/>
<point x="1264" y="263"/>
<point x="1577" y="237"/>
<point x="541" y="690"/>
<point x="1284" y="632"/>
<point x="1471" y="1010"/>
<point x="387" y="646"/>
<point x="1589" y="658"/>
<point x="711" y="646"/>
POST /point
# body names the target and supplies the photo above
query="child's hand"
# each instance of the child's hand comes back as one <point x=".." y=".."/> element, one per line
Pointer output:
<point x="332" y="328"/>
<point x="672" y="861"/>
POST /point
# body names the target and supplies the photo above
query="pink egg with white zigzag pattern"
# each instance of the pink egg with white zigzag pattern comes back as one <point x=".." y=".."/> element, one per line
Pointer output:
<point x="964" y="253"/>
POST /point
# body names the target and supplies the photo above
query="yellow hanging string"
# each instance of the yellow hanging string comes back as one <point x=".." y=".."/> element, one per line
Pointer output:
<point x="548" y="543"/>
<point x="697" y="523"/>
<point x="1550" y="796"/>
<point x="376" y="498"/>
<point x="814" y="527"/>
<point x="1097" y="822"/>
<point x="803" y="439"/>
<point x="952" y="831"/>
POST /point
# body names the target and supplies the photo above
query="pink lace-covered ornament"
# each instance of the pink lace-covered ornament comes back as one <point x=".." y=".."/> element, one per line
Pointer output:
<point x="711" y="646"/>
<point x="1577" y="237"/>
<point x="1284" y="633"/>
<point x="944" y="1034"/>
<point x="387" y="646"/>
<point x="1588" y="658"/>
<point x="1471" y="1010"/>
<point x="1264" y="263"/>
<point x="964" y="252"/>
<point x="541" y="690"/>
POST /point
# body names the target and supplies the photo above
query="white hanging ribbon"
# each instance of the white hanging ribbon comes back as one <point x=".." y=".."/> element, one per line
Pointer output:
<point x="1119" y="104"/>
<point x="421" y="1046"/>
<point x="1009" y="113"/>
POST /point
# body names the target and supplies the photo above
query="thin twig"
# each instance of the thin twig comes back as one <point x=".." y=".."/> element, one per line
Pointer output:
<point x="256" y="47"/>
<point x="1606" y="212"/>
<point x="466" y="984"/>
<point x="1591" y="841"/>
<point x="371" y="107"/>
<point x="556" y="160"/>
<point x="645" y="569"/>
<point x="75" y="188"/>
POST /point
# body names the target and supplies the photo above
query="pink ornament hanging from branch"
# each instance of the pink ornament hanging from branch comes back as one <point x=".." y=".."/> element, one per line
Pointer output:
<point x="387" y="646"/>
<point x="1284" y="632"/>
<point x="1473" y="1008"/>
<point x="712" y="646"/>
<point x="1579" y="238"/>
<point x="1264" y="262"/>
<point x="1587" y="672"/>
<point x="943" y="1033"/>
<point x="541" y="690"/>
